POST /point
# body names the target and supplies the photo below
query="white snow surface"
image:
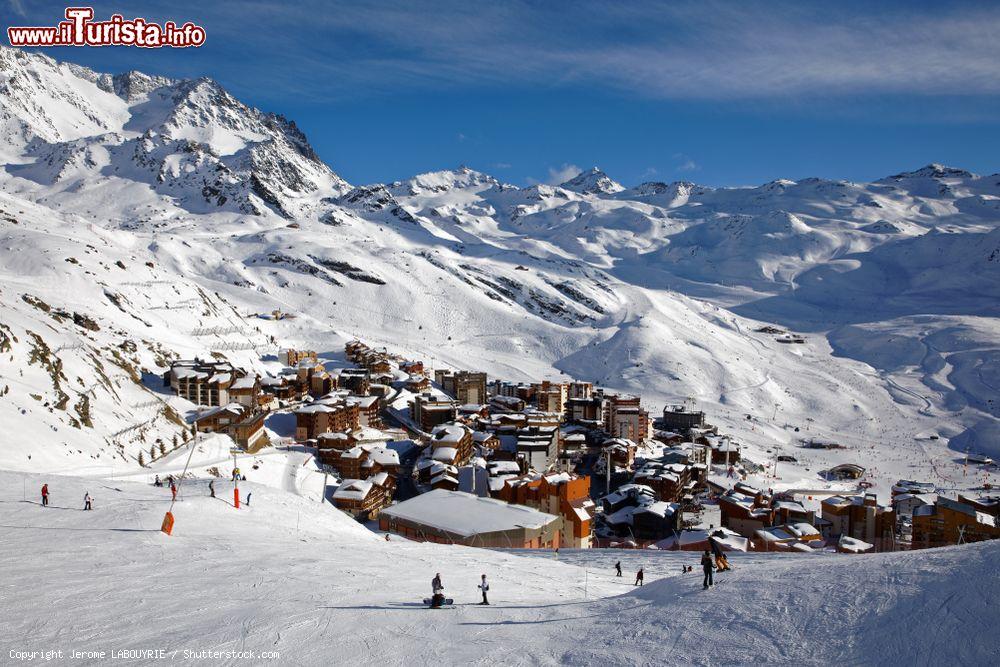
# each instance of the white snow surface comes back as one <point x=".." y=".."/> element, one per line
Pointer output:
<point x="289" y="576"/>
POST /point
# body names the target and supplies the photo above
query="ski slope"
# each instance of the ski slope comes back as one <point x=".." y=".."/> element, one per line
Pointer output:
<point x="305" y="582"/>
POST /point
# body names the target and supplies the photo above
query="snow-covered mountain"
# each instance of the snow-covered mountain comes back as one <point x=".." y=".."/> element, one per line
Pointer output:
<point x="143" y="217"/>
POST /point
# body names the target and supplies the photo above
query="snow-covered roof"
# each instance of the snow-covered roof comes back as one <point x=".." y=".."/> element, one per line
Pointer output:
<point x="853" y="545"/>
<point x="246" y="382"/>
<point x="660" y="509"/>
<point x="445" y="454"/>
<point x="353" y="489"/>
<point x="465" y="514"/>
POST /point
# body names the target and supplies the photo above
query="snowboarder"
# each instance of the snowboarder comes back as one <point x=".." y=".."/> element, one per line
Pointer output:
<point x="157" y="482"/>
<point x="618" y="568"/>
<point x="211" y="488"/>
<point x="484" y="587"/>
<point x="87" y="501"/>
<point x="638" y="578"/>
<point x="45" y="495"/>
<point x="706" y="566"/>
<point x="248" y="498"/>
<point x="437" y="598"/>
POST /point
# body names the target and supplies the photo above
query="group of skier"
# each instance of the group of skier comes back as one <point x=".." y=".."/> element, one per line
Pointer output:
<point x="709" y="565"/>
<point x="438" y="599"/>
<point x="88" y="500"/>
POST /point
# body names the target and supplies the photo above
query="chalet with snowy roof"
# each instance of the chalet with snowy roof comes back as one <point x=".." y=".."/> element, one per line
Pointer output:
<point x="743" y="513"/>
<point x="246" y="391"/>
<point x="655" y="521"/>
<point x="330" y="445"/>
<point x="670" y="481"/>
<point x="324" y="415"/>
<point x="466" y="387"/>
<point x="354" y="349"/>
<point x="417" y="383"/>
<point x="621" y="450"/>
<point x="628" y="495"/>
<point x="452" y="444"/>
<point x="313" y="378"/>
<point x="354" y="380"/>
<point x="453" y="517"/>
<point x="445" y="481"/>
<point x="789" y="511"/>
<point x="280" y="387"/>
<point x="852" y="545"/>
<point x="700" y="539"/>
<point x="411" y="367"/>
<point x="949" y="521"/>
<point x="363" y="461"/>
<point x="506" y="404"/>
<point x="565" y="494"/>
<point x="290" y="357"/>
<point x="369" y="409"/>
<point x="471" y="414"/>
<point x="797" y="537"/>
<point x="486" y="443"/>
<point x="244" y="425"/>
<point x="862" y="518"/>
<point x="364" y="497"/>
<point x="429" y="469"/>
<point x="203" y="382"/>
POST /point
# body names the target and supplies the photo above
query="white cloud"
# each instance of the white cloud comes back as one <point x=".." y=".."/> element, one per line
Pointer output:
<point x="17" y="6"/>
<point x="562" y="174"/>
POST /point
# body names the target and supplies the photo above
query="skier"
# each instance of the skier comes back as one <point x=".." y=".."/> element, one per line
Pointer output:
<point x="45" y="495"/>
<point x="248" y="498"/>
<point x="211" y="488"/>
<point x="87" y="501"/>
<point x="157" y="482"/>
<point x="618" y="568"/>
<point x="173" y="490"/>
<point x="638" y="578"/>
<point x="484" y="587"/>
<point x="706" y="566"/>
<point x="437" y="598"/>
<point x="721" y="564"/>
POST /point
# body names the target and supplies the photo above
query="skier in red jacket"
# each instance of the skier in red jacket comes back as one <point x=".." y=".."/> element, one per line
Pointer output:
<point x="45" y="495"/>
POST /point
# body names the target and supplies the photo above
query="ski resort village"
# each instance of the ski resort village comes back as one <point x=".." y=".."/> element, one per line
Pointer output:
<point x="255" y="414"/>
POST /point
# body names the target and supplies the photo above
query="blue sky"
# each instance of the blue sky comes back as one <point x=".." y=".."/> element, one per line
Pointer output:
<point x="719" y="93"/>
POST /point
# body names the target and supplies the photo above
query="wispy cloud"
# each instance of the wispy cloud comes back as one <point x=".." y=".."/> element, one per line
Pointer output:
<point x="685" y="163"/>
<point x="17" y="6"/>
<point x="680" y="50"/>
<point x="558" y="175"/>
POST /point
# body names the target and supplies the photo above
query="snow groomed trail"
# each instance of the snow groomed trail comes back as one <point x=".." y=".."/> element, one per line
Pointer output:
<point x="310" y="586"/>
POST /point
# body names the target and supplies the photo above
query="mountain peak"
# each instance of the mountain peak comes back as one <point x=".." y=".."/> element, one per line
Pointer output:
<point x="934" y="170"/>
<point x="593" y="181"/>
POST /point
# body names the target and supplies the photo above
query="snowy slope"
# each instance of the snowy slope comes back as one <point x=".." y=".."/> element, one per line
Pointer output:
<point x="291" y="577"/>
<point x="218" y="211"/>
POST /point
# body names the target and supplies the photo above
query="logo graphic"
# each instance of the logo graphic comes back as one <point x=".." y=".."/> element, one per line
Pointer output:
<point x="79" y="29"/>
